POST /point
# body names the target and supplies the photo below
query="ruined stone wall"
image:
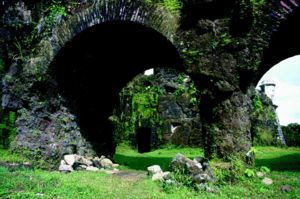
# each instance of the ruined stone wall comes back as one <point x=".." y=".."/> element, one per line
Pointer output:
<point x="171" y="98"/>
<point x="221" y="50"/>
<point x="263" y="118"/>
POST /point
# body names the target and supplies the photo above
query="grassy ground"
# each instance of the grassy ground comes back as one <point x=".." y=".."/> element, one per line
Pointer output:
<point x="133" y="160"/>
<point x="42" y="184"/>
<point x="279" y="159"/>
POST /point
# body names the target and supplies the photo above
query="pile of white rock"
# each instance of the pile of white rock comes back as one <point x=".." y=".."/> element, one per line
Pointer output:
<point x="198" y="169"/>
<point x="77" y="162"/>
<point x="158" y="174"/>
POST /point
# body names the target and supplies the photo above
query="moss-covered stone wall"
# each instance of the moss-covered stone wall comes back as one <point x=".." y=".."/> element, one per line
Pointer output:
<point x="221" y="49"/>
<point x="263" y="119"/>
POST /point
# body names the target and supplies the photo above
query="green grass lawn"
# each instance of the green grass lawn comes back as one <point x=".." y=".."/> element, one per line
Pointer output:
<point x="82" y="184"/>
<point x="134" y="160"/>
<point x="279" y="159"/>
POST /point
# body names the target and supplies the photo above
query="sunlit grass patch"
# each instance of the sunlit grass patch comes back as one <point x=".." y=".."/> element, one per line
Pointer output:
<point x="129" y="157"/>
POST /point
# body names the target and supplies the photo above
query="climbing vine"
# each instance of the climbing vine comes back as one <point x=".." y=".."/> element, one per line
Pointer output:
<point x="264" y="128"/>
<point x="140" y="110"/>
<point x="187" y="89"/>
<point x="55" y="9"/>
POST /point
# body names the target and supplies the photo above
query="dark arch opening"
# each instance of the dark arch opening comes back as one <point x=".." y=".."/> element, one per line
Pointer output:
<point x="285" y="43"/>
<point x="92" y="69"/>
<point x="143" y="138"/>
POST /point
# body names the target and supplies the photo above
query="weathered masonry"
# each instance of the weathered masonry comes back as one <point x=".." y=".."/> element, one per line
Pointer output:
<point x="66" y="63"/>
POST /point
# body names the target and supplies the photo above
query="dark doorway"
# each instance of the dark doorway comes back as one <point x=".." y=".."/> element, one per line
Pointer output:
<point x="143" y="138"/>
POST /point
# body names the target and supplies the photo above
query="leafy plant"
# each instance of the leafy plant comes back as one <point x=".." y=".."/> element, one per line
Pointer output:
<point x="193" y="93"/>
<point x="253" y="150"/>
<point x="190" y="56"/>
<point x="56" y="8"/>
<point x="179" y="91"/>
<point x="172" y="5"/>
<point x="188" y="89"/>
<point x="257" y="103"/>
<point x="181" y="177"/>
<point x="265" y="169"/>
<point x="249" y="173"/>
<point x="225" y="39"/>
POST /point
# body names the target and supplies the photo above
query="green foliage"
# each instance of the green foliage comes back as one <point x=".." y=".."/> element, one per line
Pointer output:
<point x="189" y="90"/>
<point x="263" y="137"/>
<point x="142" y="111"/>
<point x="263" y="116"/>
<point x="7" y="128"/>
<point x="181" y="78"/>
<point x="257" y="104"/>
<point x="172" y="6"/>
<point x="56" y="8"/>
<point x="139" y="102"/>
<point x="229" y="172"/>
<point x="272" y="114"/>
<point x="9" y="156"/>
<point x="25" y="44"/>
<point x="258" y="2"/>
<point x="180" y="175"/>
<point x="193" y="93"/>
<point x="291" y="134"/>
<point x="253" y="150"/>
<point x="144" y="105"/>
<point x="190" y="56"/>
<point x="265" y="169"/>
<point x="2" y="67"/>
<point x="249" y="173"/>
<point x="222" y="39"/>
<point x="179" y="91"/>
<point x="225" y="39"/>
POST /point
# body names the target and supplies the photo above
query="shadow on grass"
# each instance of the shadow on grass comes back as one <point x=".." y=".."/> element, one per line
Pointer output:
<point x="141" y="163"/>
<point x="283" y="163"/>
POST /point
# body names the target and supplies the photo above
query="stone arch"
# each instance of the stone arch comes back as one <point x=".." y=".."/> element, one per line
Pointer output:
<point x="125" y="10"/>
<point x="284" y="41"/>
<point x="53" y="129"/>
<point x="96" y="64"/>
<point x="149" y="15"/>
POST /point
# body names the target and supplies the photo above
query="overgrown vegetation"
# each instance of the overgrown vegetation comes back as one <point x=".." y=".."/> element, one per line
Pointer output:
<point x="55" y="9"/>
<point x="264" y="124"/>
<point x="291" y="134"/>
<point x="7" y="119"/>
<point x="139" y="102"/>
<point x="7" y="128"/>
<point x="139" y="109"/>
<point x="172" y="5"/>
<point x="9" y="156"/>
